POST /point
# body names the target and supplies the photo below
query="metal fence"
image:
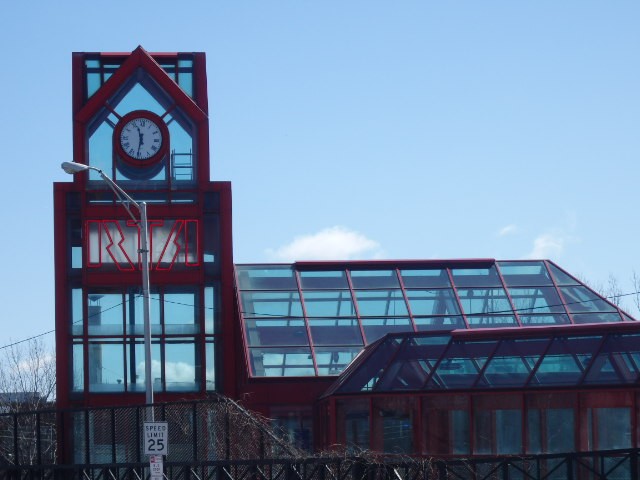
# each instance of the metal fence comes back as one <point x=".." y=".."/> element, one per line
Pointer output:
<point x="218" y="440"/>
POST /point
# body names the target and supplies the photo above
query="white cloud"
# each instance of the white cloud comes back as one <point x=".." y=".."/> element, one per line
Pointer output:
<point x="333" y="243"/>
<point x="508" y="230"/>
<point x="547" y="245"/>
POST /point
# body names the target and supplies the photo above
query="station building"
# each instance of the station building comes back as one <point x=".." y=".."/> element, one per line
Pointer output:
<point x="453" y="358"/>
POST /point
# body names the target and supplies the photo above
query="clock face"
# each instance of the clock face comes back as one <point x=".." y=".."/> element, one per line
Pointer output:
<point x="141" y="138"/>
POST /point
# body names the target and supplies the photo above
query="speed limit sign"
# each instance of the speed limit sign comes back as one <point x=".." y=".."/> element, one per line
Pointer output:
<point x="156" y="438"/>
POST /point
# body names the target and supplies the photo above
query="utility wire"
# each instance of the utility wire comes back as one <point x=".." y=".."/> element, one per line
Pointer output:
<point x="497" y="312"/>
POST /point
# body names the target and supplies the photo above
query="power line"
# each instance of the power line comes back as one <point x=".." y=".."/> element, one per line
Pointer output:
<point x="524" y="310"/>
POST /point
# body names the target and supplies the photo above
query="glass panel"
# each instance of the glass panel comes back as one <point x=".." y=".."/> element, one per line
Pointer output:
<point x="433" y="302"/>
<point x="135" y="323"/>
<point x="180" y="314"/>
<point x="536" y="300"/>
<point x="281" y="362"/>
<point x="265" y="278"/>
<point x="101" y="150"/>
<point x="271" y="304"/>
<point x="375" y="328"/>
<point x="438" y="323"/>
<point x="366" y="375"/>
<point x="596" y="317"/>
<point x="106" y="366"/>
<point x="525" y="274"/>
<point x="209" y="310"/>
<point x="105" y="313"/>
<point x="425" y="278"/>
<point x="136" y="366"/>
<point x="353" y="424"/>
<point x="544" y="319"/>
<point x="446" y="425"/>
<point x="374" y="279"/>
<point x="181" y="367"/>
<point x="580" y="299"/>
<point x="329" y="303"/>
<point x="271" y="332"/>
<point x="617" y="362"/>
<point x="561" y="277"/>
<point x="76" y="257"/>
<point x="323" y="279"/>
<point x="381" y="303"/>
<point x="566" y="360"/>
<point x="462" y="363"/>
<point x="476" y="277"/>
<point x="78" y="367"/>
<point x="493" y="321"/>
<point x="393" y="425"/>
<point x="613" y="428"/>
<point x="211" y="366"/>
<point x="335" y="331"/>
<point x="497" y="425"/>
<point x="332" y="361"/>
<point x="76" y="311"/>
<point x="484" y="301"/>
<point x="408" y="370"/>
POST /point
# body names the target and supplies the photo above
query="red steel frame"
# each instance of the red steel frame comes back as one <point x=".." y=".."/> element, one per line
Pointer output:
<point x="196" y="109"/>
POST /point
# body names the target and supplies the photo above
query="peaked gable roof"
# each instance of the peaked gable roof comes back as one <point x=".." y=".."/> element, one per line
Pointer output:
<point x="140" y="58"/>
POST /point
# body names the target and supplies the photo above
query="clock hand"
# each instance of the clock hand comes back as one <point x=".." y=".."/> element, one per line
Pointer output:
<point x="140" y="140"/>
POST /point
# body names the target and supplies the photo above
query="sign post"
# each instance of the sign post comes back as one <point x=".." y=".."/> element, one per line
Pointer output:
<point x="156" y="444"/>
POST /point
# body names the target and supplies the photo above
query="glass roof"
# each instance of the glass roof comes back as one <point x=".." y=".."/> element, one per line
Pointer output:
<point x="313" y="318"/>
<point x="523" y="359"/>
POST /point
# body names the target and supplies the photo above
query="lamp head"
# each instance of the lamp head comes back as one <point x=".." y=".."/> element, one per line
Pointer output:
<point x="73" y="167"/>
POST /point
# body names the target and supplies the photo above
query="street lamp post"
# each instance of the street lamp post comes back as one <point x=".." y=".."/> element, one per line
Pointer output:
<point x="73" y="168"/>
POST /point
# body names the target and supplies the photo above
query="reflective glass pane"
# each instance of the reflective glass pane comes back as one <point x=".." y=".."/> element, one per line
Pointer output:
<point x="209" y="310"/>
<point x="78" y="367"/>
<point x="613" y="428"/>
<point x="281" y="362"/>
<point x="544" y="319"/>
<point x="180" y="313"/>
<point x="329" y="303"/>
<point x="476" y="277"/>
<point x="265" y="278"/>
<point x="596" y="317"/>
<point x="211" y="366"/>
<point x="492" y="321"/>
<point x="366" y="375"/>
<point x="484" y="301"/>
<point x="381" y="303"/>
<point x="433" y="302"/>
<point x="438" y="323"/>
<point x="335" y="331"/>
<point x="425" y="278"/>
<point x="580" y="299"/>
<point x="135" y="321"/>
<point x="323" y="279"/>
<point x="536" y="300"/>
<point x="561" y="277"/>
<point x="135" y="354"/>
<point x="353" y="425"/>
<point x="106" y="366"/>
<point x="181" y="367"/>
<point x="374" y="279"/>
<point x="332" y="361"/>
<point x="271" y="304"/>
<point x="76" y="312"/>
<point x="566" y="360"/>
<point x="374" y="328"/>
<point x="105" y="313"/>
<point x="525" y="273"/>
<point x="271" y="332"/>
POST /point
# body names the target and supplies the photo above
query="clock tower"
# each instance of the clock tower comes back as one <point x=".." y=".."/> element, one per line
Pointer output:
<point x="142" y="118"/>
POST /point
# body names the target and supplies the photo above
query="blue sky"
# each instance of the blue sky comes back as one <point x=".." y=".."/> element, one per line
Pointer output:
<point x="357" y="129"/>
